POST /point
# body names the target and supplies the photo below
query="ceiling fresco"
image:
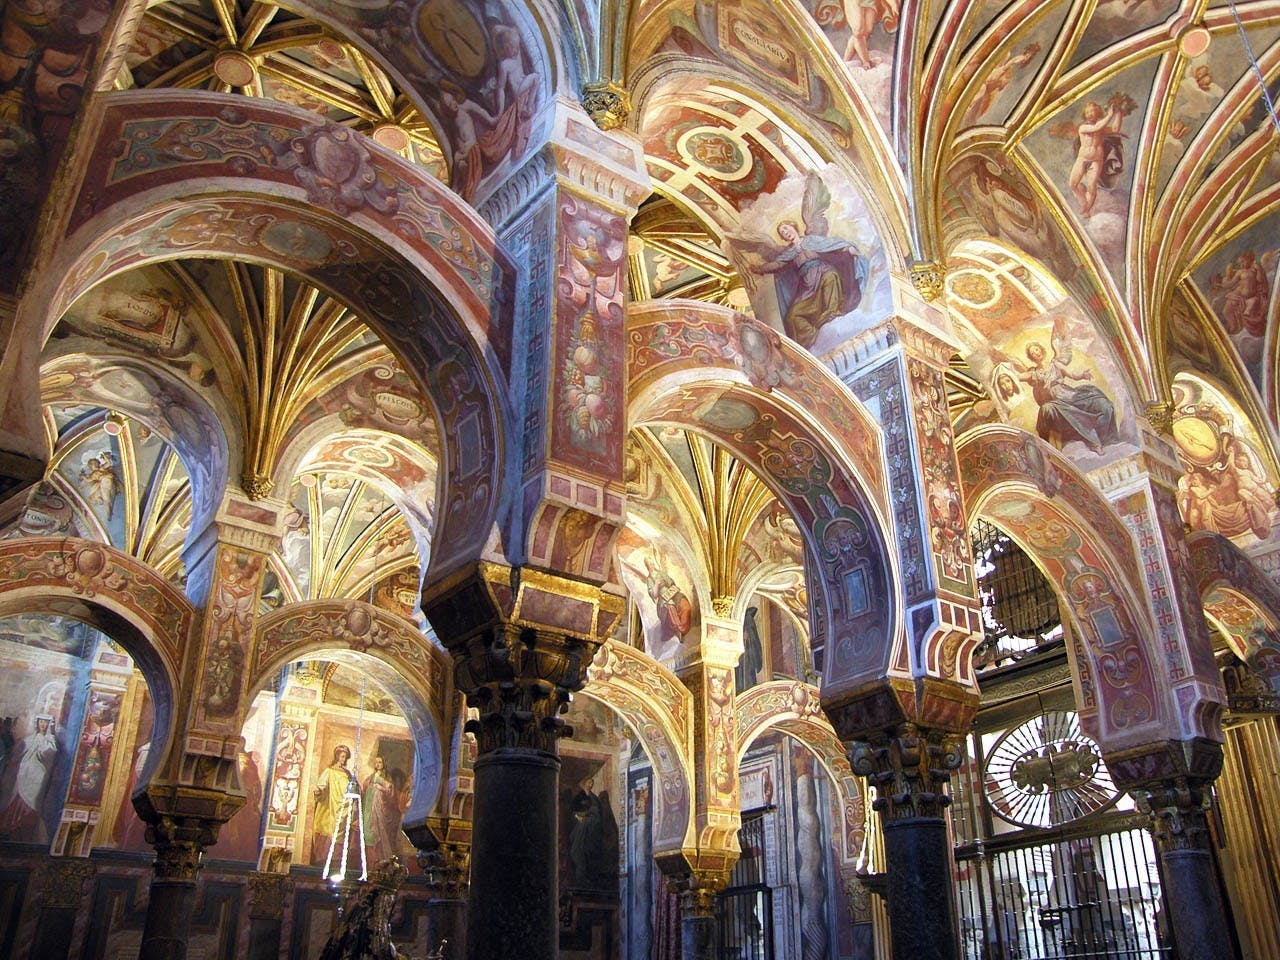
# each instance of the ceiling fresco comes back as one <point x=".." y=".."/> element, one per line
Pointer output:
<point x="1094" y="183"/>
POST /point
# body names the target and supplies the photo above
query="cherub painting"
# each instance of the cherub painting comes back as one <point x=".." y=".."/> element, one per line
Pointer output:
<point x="101" y="482"/>
<point x="818" y="277"/>
<point x="1070" y="408"/>
<point x="1099" y="148"/>
<point x="861" y="17"/>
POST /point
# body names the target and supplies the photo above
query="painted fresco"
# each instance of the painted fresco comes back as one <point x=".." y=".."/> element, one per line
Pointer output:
<point x="1013" y="69"/>
<point x="589" y="308"/>
<point x="1204" y="84"/>
<point x="1055" y="379"/>
<point x="1098" y="133"/>
<point x="1115" y="19"/>
<point x="241" y="838"/>
<point x="658" y="577"/>
<point x="1238" y="281"/>
<point x="750" y="36"/>
<point x="863" y="35"/>
<point x="592" y="813"/>
<point x="717" y="152"/>
<point x="1226" y="486"/>
<point x="48" y="51"/>
<point x="812" y="261"/>
<point x="44" y="700"/>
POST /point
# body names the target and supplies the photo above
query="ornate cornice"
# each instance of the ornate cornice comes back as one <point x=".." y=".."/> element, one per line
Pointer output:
<point x="909" y="766"/>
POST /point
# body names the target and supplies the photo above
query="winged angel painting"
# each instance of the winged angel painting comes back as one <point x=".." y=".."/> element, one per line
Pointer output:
<point x="1070" y="408"/>
<point x="817" y="277"/>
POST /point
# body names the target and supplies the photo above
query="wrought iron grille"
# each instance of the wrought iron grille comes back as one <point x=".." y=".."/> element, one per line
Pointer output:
<point x="745" y="909"/>
<point x="1079" y="897"/>
<point x="1084" y="890"/>
<point x="1019" y="607"/>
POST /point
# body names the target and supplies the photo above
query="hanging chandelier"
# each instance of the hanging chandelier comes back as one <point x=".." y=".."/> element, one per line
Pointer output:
<point x="350" y="823"/>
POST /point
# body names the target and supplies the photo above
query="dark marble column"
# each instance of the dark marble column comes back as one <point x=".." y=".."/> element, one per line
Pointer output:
<point x="448" y="868"/>
<point x="698" y="933"/>
<point x="519" y="679"/>
<point x="61" y="896"/>
<point x="179" y="844"/>
<point x="909" y="766"/>
<point x="1193" y="902"/>
<point x="268" y="894"/>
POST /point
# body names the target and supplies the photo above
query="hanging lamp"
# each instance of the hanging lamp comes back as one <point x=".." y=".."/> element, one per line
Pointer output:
<point x="350" y="818"/>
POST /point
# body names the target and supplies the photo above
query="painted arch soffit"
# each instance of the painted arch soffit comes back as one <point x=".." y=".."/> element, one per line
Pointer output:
<point x="723" y="376"/>
<point x="142" y="218"/>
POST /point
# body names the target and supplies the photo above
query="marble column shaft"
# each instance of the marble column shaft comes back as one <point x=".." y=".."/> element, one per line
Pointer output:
<point x="1193" y="903"/>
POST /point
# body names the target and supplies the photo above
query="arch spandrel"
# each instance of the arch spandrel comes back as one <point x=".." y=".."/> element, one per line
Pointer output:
<point x="1038" y="499"/>
<point x="246" y="181"/>
<point x="654" y="702"/>
<point x="455" y="57"/>
<point x="735" y="381"/>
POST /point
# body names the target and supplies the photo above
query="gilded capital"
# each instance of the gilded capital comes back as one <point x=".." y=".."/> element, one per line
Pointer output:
<point x="1160" y="414"/>
<point x="929" y="278"/>
<point x="909" y="766"/>
<point x="699" y="889"/>
<point x="607" y="102"/>
<point x="448" y="870"/>
<point x="257" y="486"/>
<point x="180" y="843"/>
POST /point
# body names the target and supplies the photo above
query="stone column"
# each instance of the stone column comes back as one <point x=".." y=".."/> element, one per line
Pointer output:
<point x="448" y="871"/>
<point x="909" y="765"/>
<point x="1178" y="808"/>
<point x="179" y="844"/>
<point x="518" y="667"/>
<point x="61" y="897"/>
<point x="699" y="938"/>
<point x="268" y="894"/>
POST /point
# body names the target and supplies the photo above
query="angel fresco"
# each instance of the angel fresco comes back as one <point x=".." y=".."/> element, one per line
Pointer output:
<point x="101" y="482"/>
<point x="1068" y="411"/>
<point x="1242" y="291"/>
<point x="861" y="17"/>
<point x="819" y="277"/>
<point x="1099" y="148"/>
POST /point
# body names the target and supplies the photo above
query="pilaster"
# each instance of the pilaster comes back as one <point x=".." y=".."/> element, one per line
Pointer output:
<point x="563" y="216"/>
<point x="897" y="369"/>
<point x="1143" y="489"/>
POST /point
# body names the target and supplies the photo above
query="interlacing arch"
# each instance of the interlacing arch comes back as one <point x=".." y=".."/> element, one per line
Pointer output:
<point x="659" y="708"/>
<point x="391" y="650"/>
<point x="387" y="241"/>
<point x="1040" y="500"/>
<point x="736" y="381"/>
<point x="114" y="594"/>
<point x="1242" y="600"/>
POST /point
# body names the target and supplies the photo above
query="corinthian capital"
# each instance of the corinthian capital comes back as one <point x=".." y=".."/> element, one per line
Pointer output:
<point x="909" y="766"/>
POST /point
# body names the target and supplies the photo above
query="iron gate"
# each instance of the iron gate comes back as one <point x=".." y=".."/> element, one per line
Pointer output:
<point x="1085" y="893"/>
